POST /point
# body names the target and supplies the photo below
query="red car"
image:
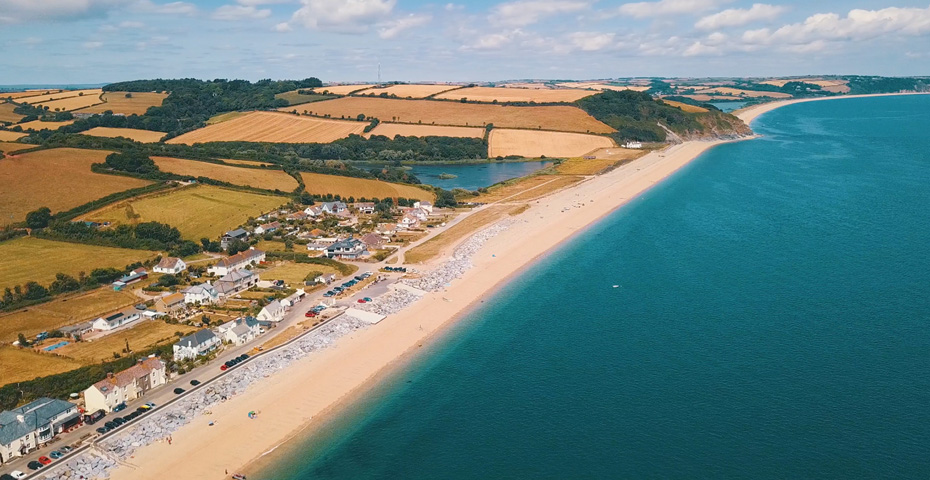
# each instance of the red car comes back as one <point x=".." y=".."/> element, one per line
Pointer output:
<point x="223" y="367"/>
<point x="310" y="314"/>
<point x="362" y="300"/>
<point x="45" y="460"/>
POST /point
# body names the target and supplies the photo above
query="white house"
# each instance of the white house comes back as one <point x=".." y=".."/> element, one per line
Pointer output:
<point x="366" y="208"/>
<point x="408" y="221"/>
<point x="273" y="312"/>
<point x="294" y="299"/>
<point x="314" y="211"/>
<point x="26" y="428"/>
<point x="202" y="294"/>
<point x="333" y="208"/>
<point x="326" y="278"/>
<point x="170" y="265"/>
<point x="349" y="248"/>
<point x="240" y="331"/>
<point x="198" y="343"/>
<point x="238" y="261"/>
<point x="386" y="229"/>
<point x="426" y="206"/>
<point x="116" y="320"/>
<point x="267" y="228"/>
<point x="125" y="386"/>
<point x="632" y="144"/>
<point x="235" y="282"/>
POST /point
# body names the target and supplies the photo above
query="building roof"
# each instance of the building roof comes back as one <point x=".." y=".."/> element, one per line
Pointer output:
<point x="173" y="298"/>
<point x="372" y="239"/>
<point x="197" y="338"/>
<point x="237" y="275"/>
<point x="128" y="376"/>
<point x="168" y="262"/>
<point x="241" y="257"/>
<point x="347" y="243"/>
<point x="80" y="327"/>
<point x="271" y="225"/>
<point x="236" y="233"/>
<point x="274" y="305"/>
<point x="204" y="288"/>
<point x="126" y="312"/>
<point x="35" y="414"/>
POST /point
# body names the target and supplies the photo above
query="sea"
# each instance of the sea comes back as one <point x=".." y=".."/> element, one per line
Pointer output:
<point x="762" y="314"/>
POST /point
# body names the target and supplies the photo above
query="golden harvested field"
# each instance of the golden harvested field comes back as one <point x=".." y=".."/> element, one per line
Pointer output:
<point x="361" y="187"/>
<point x="246" y="162"/>
<point x="27" y="93"/>
<point x="118" y="103"/>
<point x="458" y="232"/>
<point x="835" y="86"/>
<point x="411" y="91"/>
<point x="489" y="94"/>
<point x="606" y="157"/>
<point x="92" y="93"/>
<point x="63" y="311"/>
<point x="710" y="98"/>
<point x="390" y="130"/>
<point x="22" y="364"/>
<point x="603" y="86"/>
<point x="225" y="116"/>
<point x="59" y="178"/>
<point x="252" y="177"/>
<point x="6" y="136"/>
<point x="7" y="115"/>
<point x="429" y="112"/>
<point x="273" y="127"/>
<point x="741" y="93"/>
<point x="40" y="125"/>
<point x="9" y="147"/>
<point x="684" y="106"/>
<point x="146" y="334"/>
<point x="69" y="104"/>
<point x="33" y="259"/>
<point x="200" y="211"/>
<point x="341" y="89"/>
<point x="532" y="143"/>
<point x="144" y="136"/>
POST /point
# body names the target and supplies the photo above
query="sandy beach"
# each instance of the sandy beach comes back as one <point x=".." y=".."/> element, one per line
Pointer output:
<point x="294" y="401"/>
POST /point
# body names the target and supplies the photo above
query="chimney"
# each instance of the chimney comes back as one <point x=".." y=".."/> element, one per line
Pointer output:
<point x="109" y="374"/>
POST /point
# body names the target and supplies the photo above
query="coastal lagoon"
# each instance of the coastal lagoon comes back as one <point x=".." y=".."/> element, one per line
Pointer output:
<point x="760" y="314"/>
<point x="472" y="176"/>
<point x="728" y="106"/>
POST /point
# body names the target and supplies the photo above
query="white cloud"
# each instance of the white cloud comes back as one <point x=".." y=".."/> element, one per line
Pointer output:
<point x="17" y="11"/>
<point x="855" y="26"/>
<point x="171" y="8"/>
<point x="239" y="12"/>
<point x="527" y="12"/>
<point x="667" y="7"/>
<point x="591" y="41"/>
<point x="735" y="17"/>
<point x="282" y="27"/>
<point x="130" y="24"/>
<point x="92" y="45"/>
<point x="394" y="28"/>
<point x="342" y="15"/>
<point x="495" y="41"/>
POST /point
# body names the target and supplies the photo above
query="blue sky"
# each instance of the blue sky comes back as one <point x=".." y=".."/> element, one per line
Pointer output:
<point x="90" y="41"/>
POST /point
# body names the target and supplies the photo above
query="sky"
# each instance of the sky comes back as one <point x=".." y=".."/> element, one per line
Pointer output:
<point x="99" y="41"/>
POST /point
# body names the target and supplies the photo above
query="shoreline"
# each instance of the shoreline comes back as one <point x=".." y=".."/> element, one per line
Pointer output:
<point x="312" y="392"/>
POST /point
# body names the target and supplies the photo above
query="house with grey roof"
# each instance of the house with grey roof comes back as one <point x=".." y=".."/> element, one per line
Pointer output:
<point x="196" y="344"/>
<point x="273" y="312"/>
<point x="233" y="235"/>
<point x="200" y="294"/>
<point x="26" y="428"/>
<point x="349" y="249"/>
<point x="240" y="331"/>
<point x="235" y="282"/>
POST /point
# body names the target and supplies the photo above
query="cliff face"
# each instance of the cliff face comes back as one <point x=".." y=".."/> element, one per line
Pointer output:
<point x="717" y="125"/>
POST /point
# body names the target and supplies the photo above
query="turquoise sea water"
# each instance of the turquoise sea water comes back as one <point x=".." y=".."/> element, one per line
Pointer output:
<point x="773" y="322"/>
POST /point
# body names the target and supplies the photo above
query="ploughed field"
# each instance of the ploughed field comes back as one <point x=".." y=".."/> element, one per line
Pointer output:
<point x="532" y="143"/>
<point x="143" y="136"/>
<point x="58" y="178"/>
<point x="317" y="183"/>
<point x="538" y="95"/>
<point x="136" y="104"/>
<point x="391" y="130"/>
<point x="34" y="259"/>
<point x="198" y="212"/>
<point x="251" y="177"/>
<point x="429" y="112"/>
<point x="273" y="127"/>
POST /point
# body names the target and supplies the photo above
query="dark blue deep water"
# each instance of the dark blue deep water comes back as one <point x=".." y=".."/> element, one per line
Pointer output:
<point x="773" y="322"/>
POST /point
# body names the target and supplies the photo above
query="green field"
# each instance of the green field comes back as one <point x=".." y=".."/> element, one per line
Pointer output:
<point x="33" y="259"/>
<point x="294" y="98"/>
<point x="198" y="212"/>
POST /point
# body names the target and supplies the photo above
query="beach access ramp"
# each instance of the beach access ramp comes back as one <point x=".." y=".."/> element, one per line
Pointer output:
<point x="367" y="317"/>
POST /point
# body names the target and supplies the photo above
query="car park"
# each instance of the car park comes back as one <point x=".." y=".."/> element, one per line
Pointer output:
<point x="178" y="391"/>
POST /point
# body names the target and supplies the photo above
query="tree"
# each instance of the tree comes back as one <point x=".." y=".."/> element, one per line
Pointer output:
<point x="168" y="281"/>
<point x="39" y="218"/>
<point x="445" y="198"/>
<point x="22" y="340"/>
<point x="128" y="95"/>
<point x="34" y="291"/>
<point x="64" y="283"/>
<point x="237" y="246"/>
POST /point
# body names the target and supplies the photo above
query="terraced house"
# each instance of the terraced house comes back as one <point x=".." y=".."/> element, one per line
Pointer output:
<point x="26" y="428"/>
<point x="125" y="386"/>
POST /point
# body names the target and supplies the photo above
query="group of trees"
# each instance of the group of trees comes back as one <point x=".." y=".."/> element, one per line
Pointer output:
<point x="32" y="292"/>
<point x="142" y="236"/>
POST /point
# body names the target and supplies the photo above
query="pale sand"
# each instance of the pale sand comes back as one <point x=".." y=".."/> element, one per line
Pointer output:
<point x="328" y="380"/>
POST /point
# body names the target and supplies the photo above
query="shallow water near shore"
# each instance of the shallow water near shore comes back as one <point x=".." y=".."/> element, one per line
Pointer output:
<point x="770" y="320"/>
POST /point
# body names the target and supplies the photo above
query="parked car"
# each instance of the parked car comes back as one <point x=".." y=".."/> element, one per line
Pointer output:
<point x="118" y="421"/>
<point x="102" y="430"/>
<point x="362" y="300"/>
<point x="243" y="357"/>
<point x="119" y="407"/>
<point x="55" y="454"/>
<point x="224" y="367"/>
<point x="150" y="405"/>
<point x="7" y="476"/>
<point x="111" y="425"/>
<point x="195" y="382"/>
<point x="178" y="391"/>
<point x="34" y="465"/>
<point x="65" y="449"/>
<point x="310" y="314"/>
<point x="17" y="474"/>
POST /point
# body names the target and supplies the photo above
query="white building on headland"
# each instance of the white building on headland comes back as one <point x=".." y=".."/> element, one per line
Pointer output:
<point x="632" y="144"/>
